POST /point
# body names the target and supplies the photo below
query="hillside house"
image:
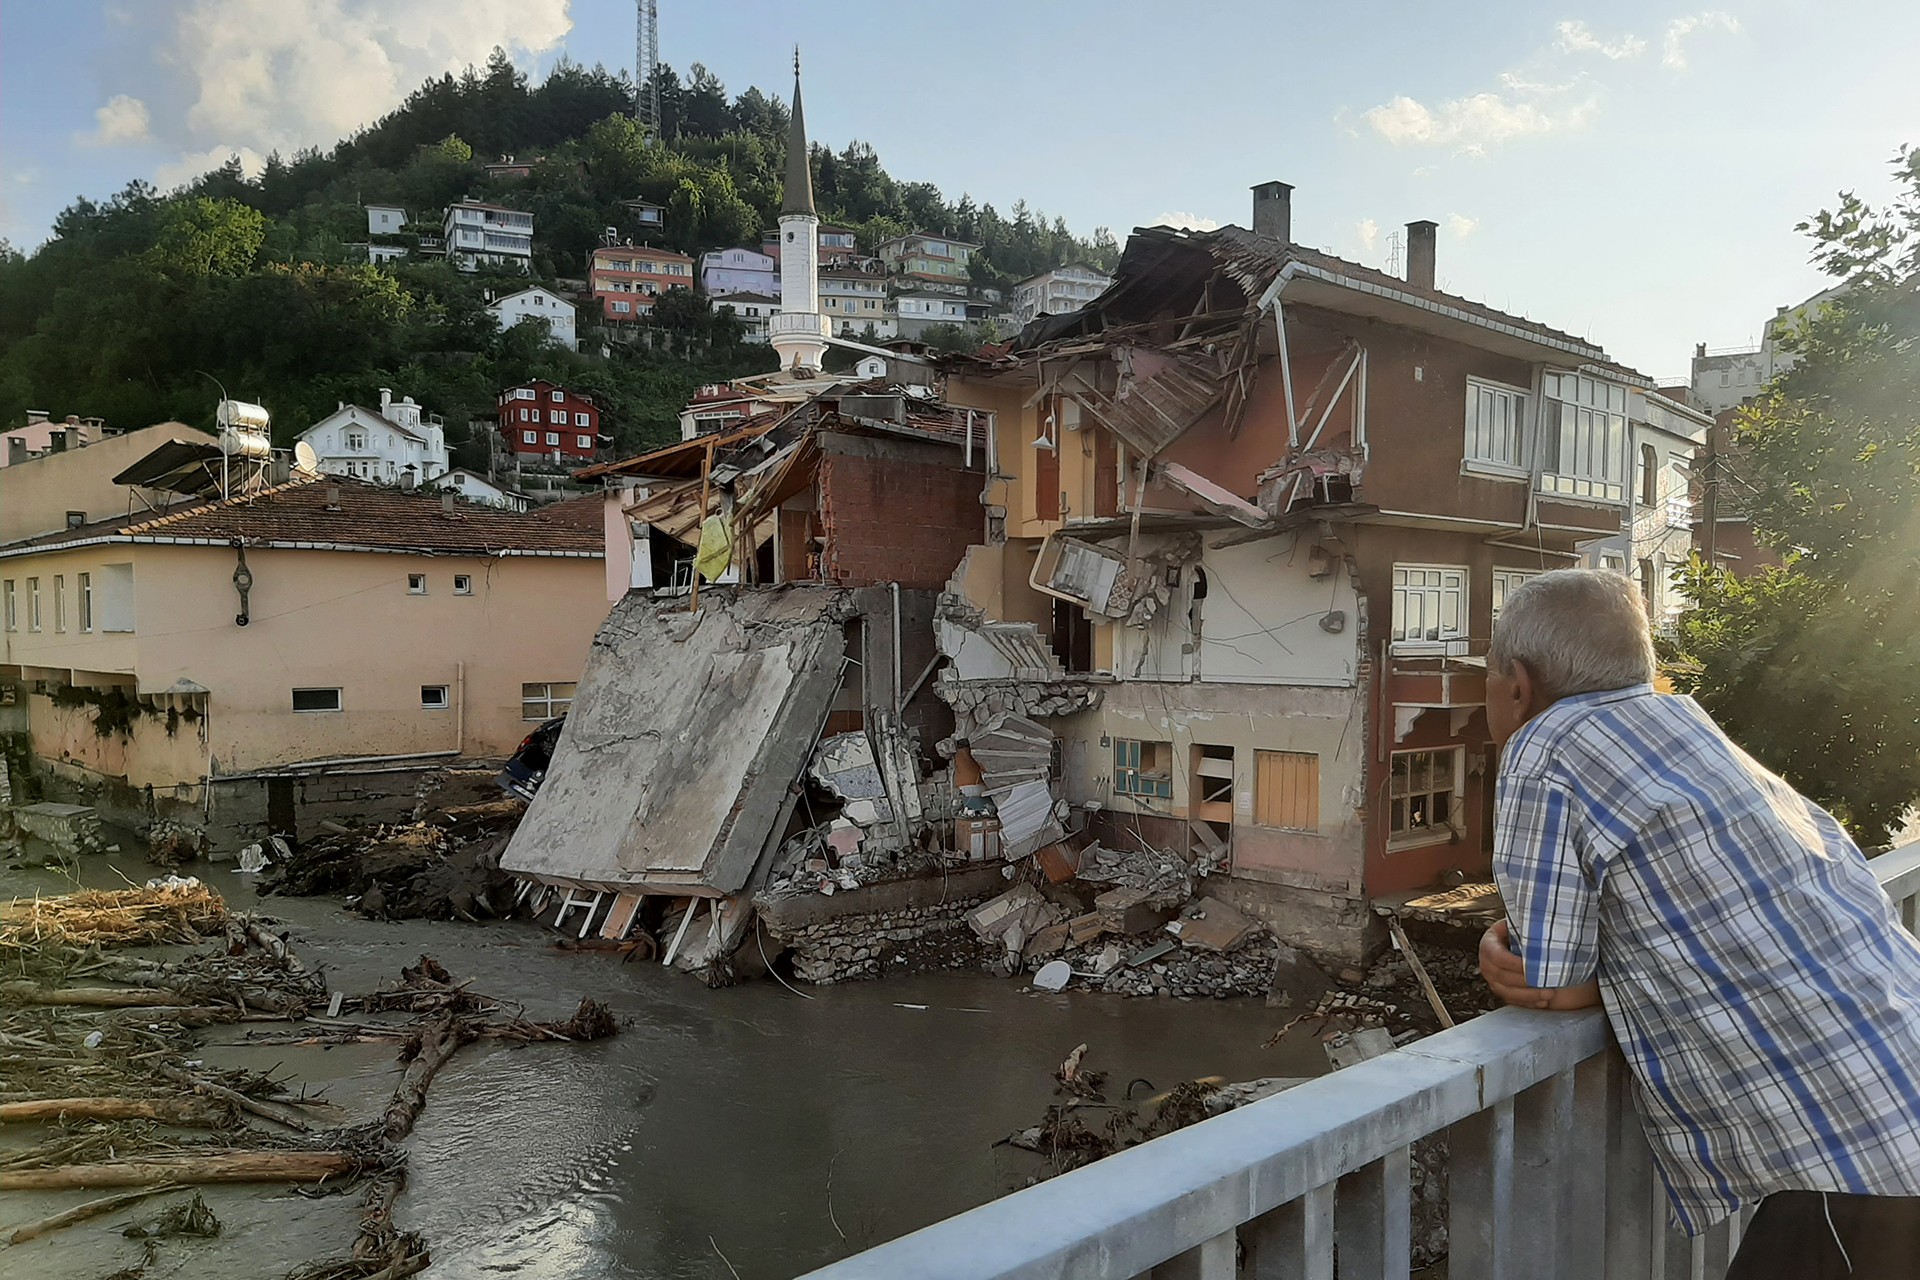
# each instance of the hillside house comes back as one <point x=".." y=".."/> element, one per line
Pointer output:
<point x="929" y="262"/>
<point x="625" y="280"/>
<point x="1063" y="289"/>
<point x="542" y="305"/>
<point x="543" y="421"/>
<point x="488" y="235"/>
<point x="393" y="444"/>
<point x="730" y="271"/>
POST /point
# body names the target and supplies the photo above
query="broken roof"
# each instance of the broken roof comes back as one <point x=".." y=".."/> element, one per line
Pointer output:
<point x="367" y="517"/>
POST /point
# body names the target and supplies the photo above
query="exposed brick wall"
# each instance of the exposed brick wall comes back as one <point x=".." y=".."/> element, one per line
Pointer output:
<point x="897" y="519"/>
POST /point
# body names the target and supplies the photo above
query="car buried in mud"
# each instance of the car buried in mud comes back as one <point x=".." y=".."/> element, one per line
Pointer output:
<point x="526" y="768"/>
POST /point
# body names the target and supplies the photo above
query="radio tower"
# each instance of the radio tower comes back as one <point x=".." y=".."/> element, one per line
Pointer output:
<point x="646" y="60"/>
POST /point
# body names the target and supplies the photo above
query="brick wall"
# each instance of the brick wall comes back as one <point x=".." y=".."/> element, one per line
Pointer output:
<point x="896" y="512"/>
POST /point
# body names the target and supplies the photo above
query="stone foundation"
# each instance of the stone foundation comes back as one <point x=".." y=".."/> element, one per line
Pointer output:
<point x="71" y="829"/>
<point x="904" y="925"/>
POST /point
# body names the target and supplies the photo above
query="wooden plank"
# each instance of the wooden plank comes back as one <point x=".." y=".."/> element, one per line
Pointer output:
<point x="1419" y="972"/>
<point x="620" y="916"/>
<point x="1294" y="1241"/>
<point x="1373" y="1213"/>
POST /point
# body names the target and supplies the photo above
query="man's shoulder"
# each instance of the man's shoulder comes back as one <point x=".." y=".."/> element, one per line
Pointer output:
<point x="1604" y="731"/>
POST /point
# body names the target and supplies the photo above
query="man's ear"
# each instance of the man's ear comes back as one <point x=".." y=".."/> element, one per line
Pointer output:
<point x="1524" y="687"/>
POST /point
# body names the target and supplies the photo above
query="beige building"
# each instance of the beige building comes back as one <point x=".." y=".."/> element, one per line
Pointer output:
<point x="52" y="490"/>
<point x="319" y="622"/>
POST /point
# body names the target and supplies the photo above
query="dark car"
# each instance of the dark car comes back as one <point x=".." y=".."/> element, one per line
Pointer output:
<point x="527" y="767"/>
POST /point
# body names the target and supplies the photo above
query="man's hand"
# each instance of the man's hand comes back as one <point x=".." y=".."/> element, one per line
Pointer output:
<point x="1506" y="976"/>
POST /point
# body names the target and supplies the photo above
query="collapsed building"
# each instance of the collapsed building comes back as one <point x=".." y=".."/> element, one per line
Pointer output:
<point x="1201" y="576"/>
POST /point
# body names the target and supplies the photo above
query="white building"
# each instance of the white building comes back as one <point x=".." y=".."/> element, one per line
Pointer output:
<point x="1726" y="377"/>
<point x="754" y="310"/>
<point x="387" y="445"/>
<point x="1059" y="291"/>
<point x="488" y="235"/>
<point x="798" y="330"/>
<point x="730" y="271"/>
<point x="920" y="311"/>
<point x="476" y="488"/>
<point x="542" y="304"/>
<point x="852" y="299"/>
<point x="386" y="220"/>
<point x="1658" y="539"/>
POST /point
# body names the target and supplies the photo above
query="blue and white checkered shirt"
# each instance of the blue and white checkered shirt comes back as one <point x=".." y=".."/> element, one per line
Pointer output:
<point x="1762" y="988"/>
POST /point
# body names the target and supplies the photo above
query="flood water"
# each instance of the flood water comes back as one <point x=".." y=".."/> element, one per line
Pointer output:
<point x="779" y="1130"/>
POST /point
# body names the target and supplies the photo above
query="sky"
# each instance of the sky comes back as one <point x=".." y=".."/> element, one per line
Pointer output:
<point x="1631" y="172"/>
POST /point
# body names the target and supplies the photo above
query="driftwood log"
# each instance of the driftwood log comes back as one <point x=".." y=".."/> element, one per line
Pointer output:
<point x="100" y="997"/>
<point x="180" y="1111"/>
<point x="82" y="1212"/>
<point x="230" y="1166"/>
<point x="439" y="1040"/>
<point x="235" y="1098"/>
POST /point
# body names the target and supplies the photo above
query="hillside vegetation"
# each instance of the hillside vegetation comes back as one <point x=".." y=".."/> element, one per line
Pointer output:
<point x="136" y="303"/>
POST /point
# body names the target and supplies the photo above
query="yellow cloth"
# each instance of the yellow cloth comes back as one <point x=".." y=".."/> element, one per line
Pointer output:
<point x="716" y="548"/>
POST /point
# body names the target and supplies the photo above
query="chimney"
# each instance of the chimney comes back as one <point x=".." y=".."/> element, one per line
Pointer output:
<point x="16" y="450"/>
<point x="1420" y="251"/>
<point x="1273" y="211"/>
<point x="1699" y="351"/>
<point x="57" y="441"/>
<point x="36" y="416"/>
<point x="446" y="504"/>
<point x="333" y="497"/>
<point x="386" y="399"/>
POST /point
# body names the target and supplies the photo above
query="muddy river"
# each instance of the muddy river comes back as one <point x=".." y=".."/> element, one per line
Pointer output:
<point x="783" y="1131"/>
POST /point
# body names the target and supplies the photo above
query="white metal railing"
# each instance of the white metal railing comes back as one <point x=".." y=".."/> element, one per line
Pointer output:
<point x="1550" y="1174"/>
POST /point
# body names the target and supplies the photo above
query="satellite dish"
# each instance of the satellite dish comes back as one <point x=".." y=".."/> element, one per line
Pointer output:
<point x="305" y="459"/>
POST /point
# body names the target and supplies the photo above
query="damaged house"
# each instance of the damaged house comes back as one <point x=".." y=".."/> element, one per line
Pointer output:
<point x="1252" y="515"/>
<point x="778" y="707"/>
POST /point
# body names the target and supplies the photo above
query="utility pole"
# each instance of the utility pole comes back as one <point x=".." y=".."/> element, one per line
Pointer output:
<point x="646" y="63"/>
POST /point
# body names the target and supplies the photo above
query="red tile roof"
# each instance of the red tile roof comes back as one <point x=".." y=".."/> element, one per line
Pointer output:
<point x="370" y="517"/>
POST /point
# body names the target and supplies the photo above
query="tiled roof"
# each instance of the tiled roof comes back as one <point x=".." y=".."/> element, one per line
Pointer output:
<point x="640" y="251"/>
<point x="584" y="512"/>
<point x="370" y="517"/>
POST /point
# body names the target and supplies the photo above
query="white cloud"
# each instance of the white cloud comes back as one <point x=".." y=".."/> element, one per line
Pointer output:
<point x="1369" y="232"/>
<point x="1673" y="54"/>
<point x="1577" y="37"/>
<point x="178" y="172"/>
<point x="123" y="119"/>
<point x="1461" y="225"/>
<point x="266" y="75"/>
<point x="1185" y="221"/>
<point x="1472" y="122"/>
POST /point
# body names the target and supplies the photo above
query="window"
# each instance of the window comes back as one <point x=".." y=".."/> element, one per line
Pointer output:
<point x="11" y="605"/>
<point x="530" y="437"/>
<point x="1496" y="416"/>
<point x="553" y="437"/>
<point x="545" y="701"/>
<point x="1649" y="476"/>
<point x="523" y="414"/>
<point x="558" y="417"/>
<point x="580" y="420"/>
<point x="116" y="597"/>
<point x="316" y="699"/>
<point x="416" y="584"/>
<point x="559" y="397"/>
<point x="33" y="604"/>
<point x="583" y="442"/>
<point x="85" y="581"/>
<point x="433" y="697"/>
<point x="1505" y="583"/>
<point x="1143" y="769"/>
<point x="1583" y="438"/>
<point x="356" y="441"/>
<point x="1613" y="561"/>
<point x="1287" y="790"/>
<point x="1429" y="604"/>
<point x="1725" y="378"/>
<point x="462" y="584"/>
<point x="1423" y="796"/>
<point x="523" y="393"/>
<point x="1649" y="579"/>
<point x="59" y="602"/>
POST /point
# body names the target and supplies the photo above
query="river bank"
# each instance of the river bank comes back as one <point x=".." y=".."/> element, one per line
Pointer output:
<point x="783" y="1130"/>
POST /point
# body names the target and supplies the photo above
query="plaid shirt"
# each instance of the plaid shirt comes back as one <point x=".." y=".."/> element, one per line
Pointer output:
<point x="1759" y="983"/>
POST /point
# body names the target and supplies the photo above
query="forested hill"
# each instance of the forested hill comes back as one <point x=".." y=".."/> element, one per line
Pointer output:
<point x="256" y="281"/>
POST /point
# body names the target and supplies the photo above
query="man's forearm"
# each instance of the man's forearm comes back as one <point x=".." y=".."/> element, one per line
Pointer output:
<point x="1584" y="996"/>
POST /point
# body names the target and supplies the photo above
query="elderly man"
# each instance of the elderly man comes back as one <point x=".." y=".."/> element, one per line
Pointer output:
<point x="1764" y="994"/>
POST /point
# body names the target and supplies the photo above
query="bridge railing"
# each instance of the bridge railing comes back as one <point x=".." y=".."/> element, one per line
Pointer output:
<point x="1550" y="1175"/>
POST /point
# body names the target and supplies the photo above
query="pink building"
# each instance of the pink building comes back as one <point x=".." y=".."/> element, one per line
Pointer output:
<point x="43" y="435"/>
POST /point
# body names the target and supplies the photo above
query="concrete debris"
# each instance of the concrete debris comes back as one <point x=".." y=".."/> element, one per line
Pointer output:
<point x="1175" y="974"/>
<point x="844" y="767"/>
<point x="446" y="868"/>
<point x="1348" y="1048"/>
<point x="67" y="830"/>
<point x="1163" y="875"/>
<point x="172" y="843"/>
<point x="1233" y="1096"/>
<point x="1212" y="925"/>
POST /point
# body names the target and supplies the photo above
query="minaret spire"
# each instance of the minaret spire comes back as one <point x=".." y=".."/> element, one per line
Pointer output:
<point x="799" y="194"/>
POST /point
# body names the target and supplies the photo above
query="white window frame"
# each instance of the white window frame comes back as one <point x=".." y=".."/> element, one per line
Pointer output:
<point x="553" y="439"/>
<point x="540" y="695"/>
<point x="463" y="584"/>
<point x="529" y="437"/>
<point x="580" y="420"/>
<point x="523" y="393"/>
<point x="33" y="604"/>
<point x="59" y="603"/>
<point x="558" y="397"/>
<point x="1506" y="582"/>
<point x="583" y="442"/>
<point x="1403" y="789"/>
<point x="1436" y="585"/>
<point x="1573" y="407"/>
<point x="339" y="703"/>
<point x="85" y="594"/>
<point x="433" y="697"/>
<point x="1478" y="453"/>
<point x="12" y="605"/>
<point x="416" y="584"/>
<point x="558" y="417"/>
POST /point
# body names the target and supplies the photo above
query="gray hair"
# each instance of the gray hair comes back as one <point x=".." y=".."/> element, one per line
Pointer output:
<point x="1578" y="631"/>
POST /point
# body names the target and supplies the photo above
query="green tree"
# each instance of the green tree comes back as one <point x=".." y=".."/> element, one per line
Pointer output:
<point x="203" y="236"/>
<point x="1816" y="666"/>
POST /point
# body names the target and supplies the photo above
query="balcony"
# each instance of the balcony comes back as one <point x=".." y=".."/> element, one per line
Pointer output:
<point x="1551" y="1176"/>
<point x="785" y="324"/>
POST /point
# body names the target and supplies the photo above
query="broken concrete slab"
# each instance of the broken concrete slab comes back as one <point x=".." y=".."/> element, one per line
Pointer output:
<point x="1209" y="924"/>
<point x="1232" y="1096"/>
<point x="706" y="720"/>
<point x="1349" y="1048"/>
<point x="70" y="829"/>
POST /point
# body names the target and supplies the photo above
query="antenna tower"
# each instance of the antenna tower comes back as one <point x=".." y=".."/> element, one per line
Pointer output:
<point x="646" y="61"/>
<point x="1394" y="245"/>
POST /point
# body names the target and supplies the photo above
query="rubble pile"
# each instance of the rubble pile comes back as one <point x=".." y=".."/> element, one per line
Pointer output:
<point x="64" y="832"/>
<point x="172" y="843"/>
<point x="1455" y="974"/>
<point x="863" y="946"/>
<point x="447" y="867"/>
<point x="980" y="702"/>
